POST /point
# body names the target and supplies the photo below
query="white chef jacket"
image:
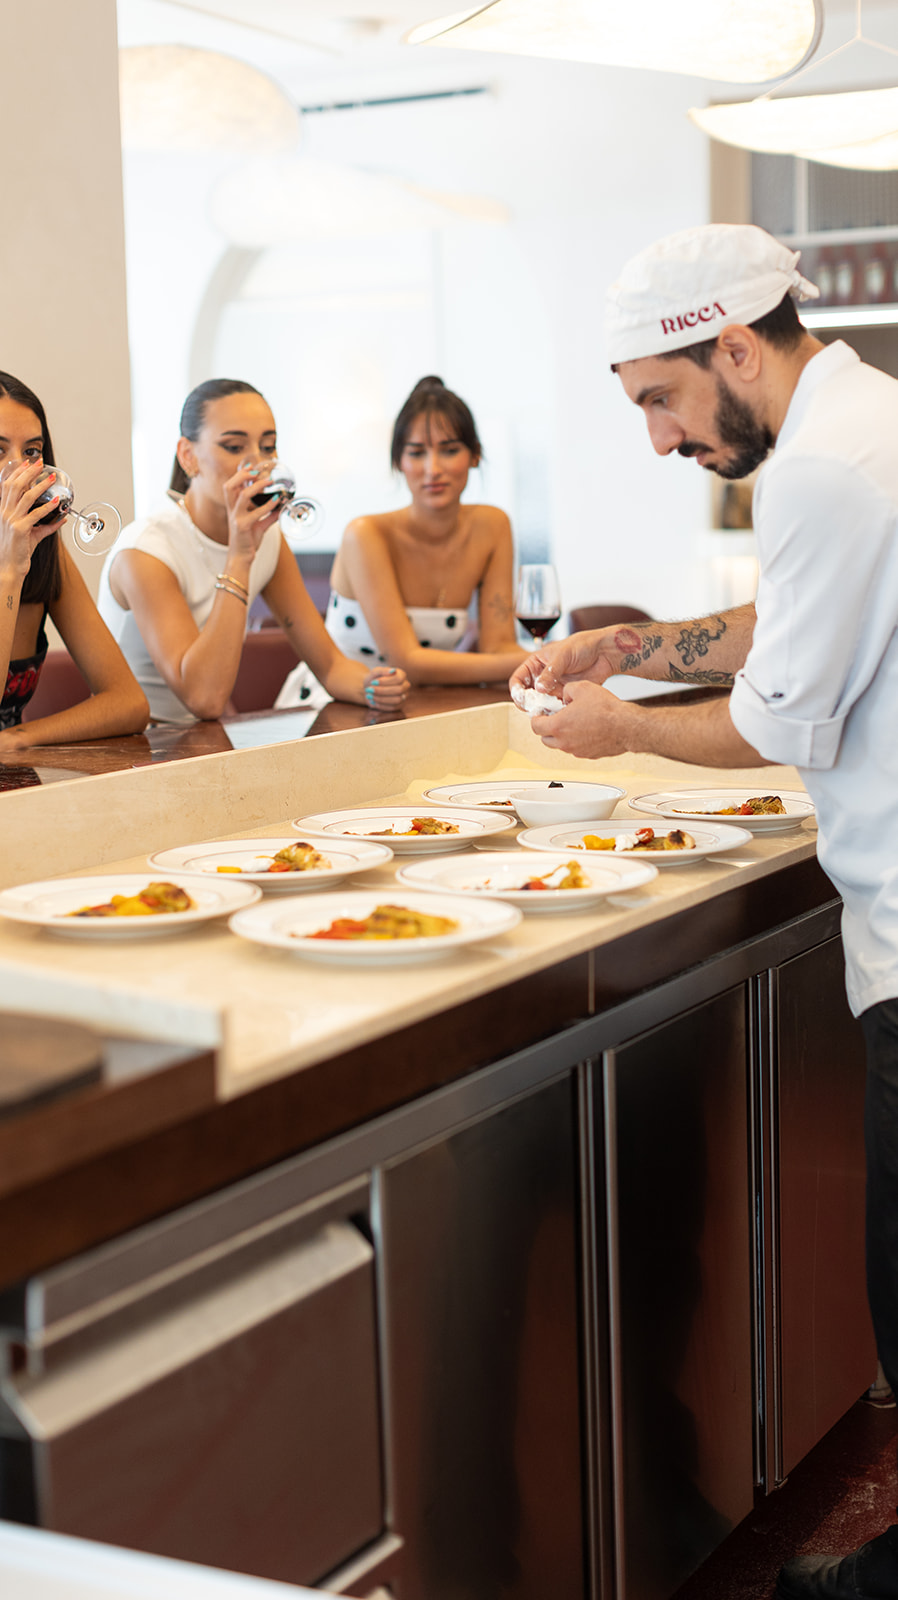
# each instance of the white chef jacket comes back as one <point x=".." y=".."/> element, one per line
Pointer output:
<point x="172" y="536"/>
<point x="819" y="689"/>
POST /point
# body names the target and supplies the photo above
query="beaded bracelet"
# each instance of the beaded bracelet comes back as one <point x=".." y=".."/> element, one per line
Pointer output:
<point x="235" y="593"/>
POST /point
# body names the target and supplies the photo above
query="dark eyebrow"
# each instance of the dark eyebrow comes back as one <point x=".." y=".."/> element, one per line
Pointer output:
<point x="241" y="433"/>
<point x="643" y="395"/>
<point x="37" y="438"/>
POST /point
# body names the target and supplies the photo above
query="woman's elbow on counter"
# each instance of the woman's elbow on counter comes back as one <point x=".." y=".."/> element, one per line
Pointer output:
<point x="136" y="713"/>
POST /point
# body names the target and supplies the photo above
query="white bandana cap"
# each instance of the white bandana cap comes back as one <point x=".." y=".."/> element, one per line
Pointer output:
<point x="691" y="285"/>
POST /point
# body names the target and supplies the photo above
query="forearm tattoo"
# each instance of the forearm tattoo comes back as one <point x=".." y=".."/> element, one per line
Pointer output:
<point x="9" y="602"/>
<point x="635" y="649"/>
<point x="693" y="642"/>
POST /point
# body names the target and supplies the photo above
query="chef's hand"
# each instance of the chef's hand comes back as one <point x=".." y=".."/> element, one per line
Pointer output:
<point x="593" y="723"/>
<point x="584" y="657"/>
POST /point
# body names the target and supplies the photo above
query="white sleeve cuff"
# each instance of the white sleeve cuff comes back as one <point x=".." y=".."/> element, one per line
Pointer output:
<point x="779" y="738"/>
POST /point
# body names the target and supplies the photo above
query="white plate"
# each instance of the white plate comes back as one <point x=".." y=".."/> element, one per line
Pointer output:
<point x="699" y="805"/>
<point x="250" y="856"/>
<point x="496" y="796"/>
<point x="373" y="820"/>
<point x="287" y="924"/>
<point x="45" y="905"/>
<point x="708" y="841"/>
<point x="499" y="875"/>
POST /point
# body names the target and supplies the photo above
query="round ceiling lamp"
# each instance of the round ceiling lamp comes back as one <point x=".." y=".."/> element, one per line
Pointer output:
<point x="179" y="99"/>
<point x="736" y="41"/>
<point x="845" y="128"/>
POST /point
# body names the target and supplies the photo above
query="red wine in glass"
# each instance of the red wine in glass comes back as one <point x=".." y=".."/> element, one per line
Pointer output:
<point x="538" y="600"/>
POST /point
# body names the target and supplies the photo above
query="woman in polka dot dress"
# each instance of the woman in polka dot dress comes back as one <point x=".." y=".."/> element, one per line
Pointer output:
<point x="402" y="581"/>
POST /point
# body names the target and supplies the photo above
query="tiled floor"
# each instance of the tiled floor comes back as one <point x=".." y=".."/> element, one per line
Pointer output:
<point x="843" y="1493"/>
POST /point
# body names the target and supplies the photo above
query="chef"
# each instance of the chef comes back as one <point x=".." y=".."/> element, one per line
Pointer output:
<point x="704" y="335"/>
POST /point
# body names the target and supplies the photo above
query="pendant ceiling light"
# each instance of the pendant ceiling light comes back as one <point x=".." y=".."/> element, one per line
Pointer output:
<point x="179" y="99"/>
<point x="738" y="41"/>
<point x="856" y="128"/>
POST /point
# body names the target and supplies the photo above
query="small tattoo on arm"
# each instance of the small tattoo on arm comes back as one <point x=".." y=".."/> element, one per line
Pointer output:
<point x="9" y="602"/>
<point x="695" y="640"/>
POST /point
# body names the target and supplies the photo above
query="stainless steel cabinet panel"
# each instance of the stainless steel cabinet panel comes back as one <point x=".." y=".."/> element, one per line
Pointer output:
<point x="236" y="1425"/>
<point x="827" y="1352"/>
<point x="479" y="1242"/>
<point x="676" y="1110"/>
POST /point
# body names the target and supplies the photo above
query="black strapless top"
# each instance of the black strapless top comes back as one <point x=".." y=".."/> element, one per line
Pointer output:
<point x="21" y="681"/>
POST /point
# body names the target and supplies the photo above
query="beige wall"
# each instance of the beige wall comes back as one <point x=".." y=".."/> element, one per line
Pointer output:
<point x="63" y="326"/>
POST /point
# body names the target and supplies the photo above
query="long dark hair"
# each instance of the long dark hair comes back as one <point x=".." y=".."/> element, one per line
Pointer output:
<point x="193" y="415"/>
<point x="43" y="583"/>
<point x="431" y="398"/>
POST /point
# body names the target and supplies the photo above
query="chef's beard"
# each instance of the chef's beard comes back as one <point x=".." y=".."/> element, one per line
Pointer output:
<point x="738" y="430"/>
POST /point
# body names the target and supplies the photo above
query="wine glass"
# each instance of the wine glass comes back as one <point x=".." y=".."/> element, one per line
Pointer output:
<point x="94" y="529"/>
<point x="300" y="515"/>
<point x="538" y="600"/>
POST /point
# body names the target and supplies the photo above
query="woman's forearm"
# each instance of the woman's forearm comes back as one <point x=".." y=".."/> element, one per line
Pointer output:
<point x="425" y="666"/>
<point x="121" y="710"/>
<point x="10" y="593"/>
<point x="208" y="668"/>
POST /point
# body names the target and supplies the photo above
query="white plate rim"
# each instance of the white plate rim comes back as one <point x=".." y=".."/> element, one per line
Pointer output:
<point x="736" y="838"/>
<point x="98" y="887"/>
<point x="298" y="882"/>
<point x="254" y="924"/>
<point x="442" y="793"/>
<point x="651" y="804"/>
<point x="634" y="874"/>
<point x="483" y="822"/>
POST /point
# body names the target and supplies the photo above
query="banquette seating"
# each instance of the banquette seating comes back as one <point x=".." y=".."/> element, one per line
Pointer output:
<point x="584" y="617"/>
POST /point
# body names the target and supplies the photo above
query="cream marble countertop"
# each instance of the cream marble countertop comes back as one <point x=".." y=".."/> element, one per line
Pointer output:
<point x="269" y="1012"/>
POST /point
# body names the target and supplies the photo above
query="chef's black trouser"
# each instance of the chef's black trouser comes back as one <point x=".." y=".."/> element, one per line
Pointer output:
<point x="880" y="1025"/>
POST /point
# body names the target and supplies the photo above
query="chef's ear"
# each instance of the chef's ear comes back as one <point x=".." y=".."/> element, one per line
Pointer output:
<point x="740" y="350"/>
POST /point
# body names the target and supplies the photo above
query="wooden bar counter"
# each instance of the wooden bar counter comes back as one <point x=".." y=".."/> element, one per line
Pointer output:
<point x="583" y="1133"/>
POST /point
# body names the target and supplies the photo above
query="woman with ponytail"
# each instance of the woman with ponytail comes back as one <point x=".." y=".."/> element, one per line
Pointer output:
<point x="177" y="586"/>
<point x="402" y="581"/>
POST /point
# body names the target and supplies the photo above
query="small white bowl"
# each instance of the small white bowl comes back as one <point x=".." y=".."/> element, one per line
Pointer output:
<point x="570" y="802"/>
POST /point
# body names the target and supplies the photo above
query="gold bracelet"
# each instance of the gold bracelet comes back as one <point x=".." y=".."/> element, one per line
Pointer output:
<point x="234" y="593"/>
<point x="225" y="577"/>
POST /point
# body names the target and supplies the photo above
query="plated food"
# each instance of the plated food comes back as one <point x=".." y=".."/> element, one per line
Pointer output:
<point x="759" y="813"/>
<point x="620" y="841"/>
<point x="535" y="883"/>
<point x="422" y="826"/>
<point x="304" y="926"/>
<point x="640" y="839"/>
<point x="389" y="922"/>
<point x="157" y="899"/>
<point x="278" y="866"/>
<point x="76" y="906"/>
<point x="403" y="827"/>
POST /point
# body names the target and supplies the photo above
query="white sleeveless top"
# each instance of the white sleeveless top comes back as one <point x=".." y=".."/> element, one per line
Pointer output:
<point x="172" y="536"/>
<point x="436" y="627"/>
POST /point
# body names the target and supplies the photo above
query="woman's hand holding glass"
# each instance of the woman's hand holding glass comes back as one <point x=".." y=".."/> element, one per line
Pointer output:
<point x="22" y="522"/>
<point x="247" y="522"/>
